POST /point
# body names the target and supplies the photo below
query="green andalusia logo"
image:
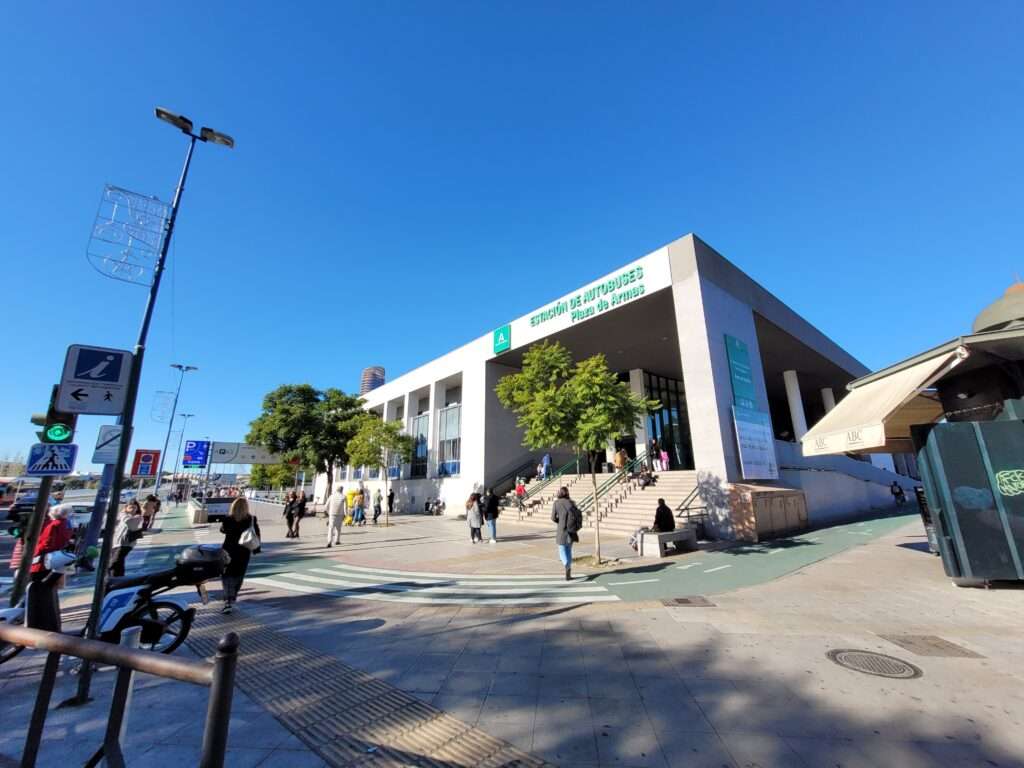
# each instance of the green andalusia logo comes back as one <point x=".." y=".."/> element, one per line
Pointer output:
<point x="1010" y="482"/>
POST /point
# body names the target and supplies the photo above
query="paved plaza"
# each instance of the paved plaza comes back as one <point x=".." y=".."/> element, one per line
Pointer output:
<point x="736" y="674"/>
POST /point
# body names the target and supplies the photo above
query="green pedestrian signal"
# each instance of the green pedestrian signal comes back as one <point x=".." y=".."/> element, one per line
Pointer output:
<point x="58" y="433"/>
<point x="57" y="426"/>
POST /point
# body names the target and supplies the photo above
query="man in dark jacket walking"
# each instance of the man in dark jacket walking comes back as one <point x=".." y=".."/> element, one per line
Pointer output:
<point x="491" y="512"/>
<point x="568" y="520"/>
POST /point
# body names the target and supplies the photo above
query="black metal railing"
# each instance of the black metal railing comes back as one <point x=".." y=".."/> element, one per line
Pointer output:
<point x="219" y="677"/>
<point x="508" y="481"/>
<point x="694" y="514"/>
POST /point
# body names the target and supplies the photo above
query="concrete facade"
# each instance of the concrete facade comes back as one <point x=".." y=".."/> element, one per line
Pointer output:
<point x="669" y="313"/>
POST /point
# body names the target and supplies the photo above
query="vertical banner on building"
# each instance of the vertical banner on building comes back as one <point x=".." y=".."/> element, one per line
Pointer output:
<point x="754" y="436"/>
<point x="740" y="372"/>
<point x="756" y="444"/>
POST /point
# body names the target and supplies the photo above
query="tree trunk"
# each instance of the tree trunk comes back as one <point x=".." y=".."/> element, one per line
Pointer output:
<point x="597" y="512"/>
<point x="330" y="478"/>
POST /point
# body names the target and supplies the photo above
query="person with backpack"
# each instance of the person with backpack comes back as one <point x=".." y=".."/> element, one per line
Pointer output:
<point x="568" y="520"/>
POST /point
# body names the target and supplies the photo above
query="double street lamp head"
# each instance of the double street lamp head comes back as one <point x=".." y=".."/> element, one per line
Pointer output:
<point x="183" y="124"/>
<point x="184" y="368"/>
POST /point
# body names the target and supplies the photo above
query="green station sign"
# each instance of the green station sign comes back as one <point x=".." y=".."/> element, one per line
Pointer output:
<point x="503" y="338"/>
<point x="743" y="394"/>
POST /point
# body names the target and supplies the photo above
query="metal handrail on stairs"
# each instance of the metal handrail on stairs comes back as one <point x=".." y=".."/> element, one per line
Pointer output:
<point x="687" y="511"/>
<point x="521" y="471"/>
<point x="543" y="484"/>
<point x="611" y="484"/>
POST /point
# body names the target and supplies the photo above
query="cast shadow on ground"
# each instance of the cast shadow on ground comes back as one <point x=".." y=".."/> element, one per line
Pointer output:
<point x="578" y="686"/>
<point x="659" y="691"/>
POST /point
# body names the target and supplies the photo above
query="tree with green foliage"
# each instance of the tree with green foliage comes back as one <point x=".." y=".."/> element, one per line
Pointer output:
<point x="378" y="443"/>
<point x="584" y="405"/>
<point x="272" y="476"/>
<point x="308" y="424"/>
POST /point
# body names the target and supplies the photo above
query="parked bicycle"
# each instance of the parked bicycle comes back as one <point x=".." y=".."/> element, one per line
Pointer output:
<point x="134" y="601"/>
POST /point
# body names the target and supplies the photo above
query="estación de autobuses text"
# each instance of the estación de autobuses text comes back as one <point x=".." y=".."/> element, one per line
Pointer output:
<point x="592" y="301"/>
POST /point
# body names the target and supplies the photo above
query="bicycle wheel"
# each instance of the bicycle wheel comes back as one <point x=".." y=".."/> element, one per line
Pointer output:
<point x="176" y="626"/>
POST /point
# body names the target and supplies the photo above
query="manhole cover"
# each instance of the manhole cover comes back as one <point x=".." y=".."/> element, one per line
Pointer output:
<point x="695" y="601"/>
<point x="871" y="663"/>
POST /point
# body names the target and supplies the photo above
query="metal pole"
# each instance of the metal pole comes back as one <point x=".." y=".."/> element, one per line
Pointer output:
<point x="131" y="395"/>
<point x="181" y="438"/>
<point x="218" y="709"/>
<point x="31" y="537"/>
<point x="42" y="706"/>
<point x="167" y="440"/>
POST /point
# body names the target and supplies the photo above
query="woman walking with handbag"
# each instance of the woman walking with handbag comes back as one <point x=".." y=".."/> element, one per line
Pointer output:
<point x="241" y="538"/>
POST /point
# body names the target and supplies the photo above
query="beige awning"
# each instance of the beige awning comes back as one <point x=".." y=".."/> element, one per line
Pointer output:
<point x="876" y="416"/>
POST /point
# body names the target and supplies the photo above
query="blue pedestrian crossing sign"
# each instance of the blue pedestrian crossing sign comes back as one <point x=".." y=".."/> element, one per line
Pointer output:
<point x="51" y="460"/>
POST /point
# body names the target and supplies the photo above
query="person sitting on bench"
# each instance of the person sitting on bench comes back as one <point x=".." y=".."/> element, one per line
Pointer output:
<point x="663" y="518"/>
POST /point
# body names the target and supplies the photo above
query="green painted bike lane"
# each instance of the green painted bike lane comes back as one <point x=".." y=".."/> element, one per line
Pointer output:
<point x="714" y="571"/>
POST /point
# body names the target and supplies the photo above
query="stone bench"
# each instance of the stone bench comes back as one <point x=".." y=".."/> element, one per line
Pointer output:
<point x="653" y="544"/>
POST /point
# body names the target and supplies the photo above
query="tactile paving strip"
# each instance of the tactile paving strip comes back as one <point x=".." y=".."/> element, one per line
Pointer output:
<point x="349" y="718"/>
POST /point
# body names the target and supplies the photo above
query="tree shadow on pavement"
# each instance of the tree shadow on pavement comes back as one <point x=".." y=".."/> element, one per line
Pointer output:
<point x="582" y="685"/>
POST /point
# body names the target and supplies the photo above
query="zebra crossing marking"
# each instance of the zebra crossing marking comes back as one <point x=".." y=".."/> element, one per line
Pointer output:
<point x="362" y="594"/>
<point x="362" y="583"/>
<point x="376" y="580"/>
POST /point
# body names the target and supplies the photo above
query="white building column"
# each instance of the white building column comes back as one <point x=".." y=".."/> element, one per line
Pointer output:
<point x="828" y="398"/>
<point x="796" y="404"/>
<point x="436" y="401"/>
<point x="636" y="386"/>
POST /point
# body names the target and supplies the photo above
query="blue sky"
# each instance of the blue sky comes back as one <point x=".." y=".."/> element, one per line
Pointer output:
<point x="409" y="176"/>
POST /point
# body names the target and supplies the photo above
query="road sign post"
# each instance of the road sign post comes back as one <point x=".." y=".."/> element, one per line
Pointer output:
<point x="107" y="444"/>
<point x="145" y="463"/>
<point x="95" y="380"/>
<point x="131" y="392"/>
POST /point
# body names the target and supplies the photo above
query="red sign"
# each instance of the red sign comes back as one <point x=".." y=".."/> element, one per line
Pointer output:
<point x="145" y="463"/>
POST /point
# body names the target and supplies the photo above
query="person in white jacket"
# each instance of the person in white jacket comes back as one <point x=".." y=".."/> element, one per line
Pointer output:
<point x="336" y="509"/>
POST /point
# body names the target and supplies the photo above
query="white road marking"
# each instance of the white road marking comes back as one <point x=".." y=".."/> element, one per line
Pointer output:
<point x="684" y="567"/>
<point x="432" y="574"/>
<point x="406" y="578"/>
<point x="638" y="581"/>
<point x="719" y="568"/>
<point x="777" y="550"/>
<point x="408" y="585"/>
<point x="402" y="598"/>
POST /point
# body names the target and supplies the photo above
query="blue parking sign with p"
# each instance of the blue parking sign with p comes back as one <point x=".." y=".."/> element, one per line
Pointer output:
<point x="197" y="453"/>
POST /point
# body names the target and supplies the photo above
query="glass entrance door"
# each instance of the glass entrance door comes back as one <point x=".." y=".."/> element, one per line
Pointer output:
<point x="669" y="426"/>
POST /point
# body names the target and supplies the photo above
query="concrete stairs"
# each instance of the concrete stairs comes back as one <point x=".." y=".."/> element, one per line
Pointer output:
<point x="629" y="507"/>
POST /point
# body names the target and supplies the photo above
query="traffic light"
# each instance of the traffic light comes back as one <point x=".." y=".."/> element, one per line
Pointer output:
<point x="57" y="426"/>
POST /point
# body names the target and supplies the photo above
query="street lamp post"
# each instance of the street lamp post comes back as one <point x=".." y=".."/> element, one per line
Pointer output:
<point x="177" y="456"/>
<point x="182" y="369"/>
<point x="206" y="135"/>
